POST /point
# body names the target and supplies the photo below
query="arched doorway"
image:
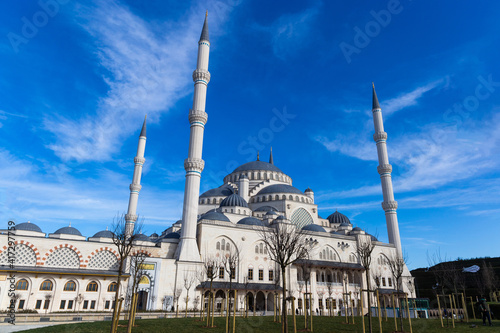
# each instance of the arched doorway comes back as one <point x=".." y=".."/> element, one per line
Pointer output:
<point x="142" y="300"/>
<point x="220" y="298"/>
<point x="250" y="301"/>
<point x="260" y="301"/>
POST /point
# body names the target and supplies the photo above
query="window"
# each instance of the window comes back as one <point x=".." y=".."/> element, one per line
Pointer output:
<point x="46" y="304"/>
<point x="46" y="285"/>
<point x="250" y="273"/>
<point x="38" y="304"/>
<point x="261" y="275"/>
<point x="217" y="247"/>
<point x="22" y="284"/>
<point x="62" y="305"/>
<point x="20" y="306"/>
<point x="70" y="286"/>
<point x="300" y="303"/>
<point x="85" y="304"/>
<point x="320" y="303"/>
<point x="221" y="272"/>
<point x="92" y="286"/>
<point x="233" y="273"/>
<point x="256" y="249"/>
<point x="70" y="304"/>
<point x="390" y="282"/>
<point x="106" y="305"/>
<point x="92" y="305"/>
<point x="383" y="282"/>
<point x="112" y="287"/>
<point x="271" y="275"/>
<point x="113" y="305"/>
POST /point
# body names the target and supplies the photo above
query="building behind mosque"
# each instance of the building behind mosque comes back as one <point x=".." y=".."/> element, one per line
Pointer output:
<point x="79" y="272"/>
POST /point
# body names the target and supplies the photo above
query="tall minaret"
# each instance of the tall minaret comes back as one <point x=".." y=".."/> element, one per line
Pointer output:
<point x="135" y="187"/>
<point x="187" y="249"/>
<point x="384" y="169"/>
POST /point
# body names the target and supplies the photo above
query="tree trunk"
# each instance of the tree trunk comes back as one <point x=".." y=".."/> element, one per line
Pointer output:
<point x="117" y="293"/>
<point x="284" y="320"/>
<point x="368" y="286"/>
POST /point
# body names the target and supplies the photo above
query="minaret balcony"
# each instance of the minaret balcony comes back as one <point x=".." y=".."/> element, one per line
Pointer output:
<point x="135" y="187"/>
<point x="201" y="75"/>
<point x="198" y="116"/>
<point x="194" y="164"/>
<point x="389" y="205"/>
<point x="379" y="136"/>
<point x="384" y="169"/>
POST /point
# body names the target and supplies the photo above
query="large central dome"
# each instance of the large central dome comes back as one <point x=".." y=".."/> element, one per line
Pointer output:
<point x="257" y="165"/>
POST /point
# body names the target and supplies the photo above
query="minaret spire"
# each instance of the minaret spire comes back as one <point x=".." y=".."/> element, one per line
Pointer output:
<point x="271" y="156"/>
<point x="135" y="187"/>
<point x="384" y="169"/>
<point x="187" y="249"/>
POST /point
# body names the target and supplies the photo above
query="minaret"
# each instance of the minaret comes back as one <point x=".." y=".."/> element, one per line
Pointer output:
<point x="384" y="169"/>
<point x="135" y="187"/>
<point x="187" y="249"/>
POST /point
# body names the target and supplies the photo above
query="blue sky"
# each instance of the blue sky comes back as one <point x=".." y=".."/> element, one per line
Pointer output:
<point x="76" y="80"/>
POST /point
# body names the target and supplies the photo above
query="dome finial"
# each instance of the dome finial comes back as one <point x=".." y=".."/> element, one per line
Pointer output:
<point x="271" y="156"/>
<point x="204" y="31"/>
<point x="258" y="158"/>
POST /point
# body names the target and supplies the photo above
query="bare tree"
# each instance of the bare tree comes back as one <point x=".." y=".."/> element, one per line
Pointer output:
<point x="330" y="289"/>
<point x="137" y="260"/>
<point x="489" y="279"/>
<point x="230" y="261"/>
<point x="189" y="279"/>
<point x="210" y="264"/>
<point x="364" y="249"/>
<point x="285" y="244"/>
<point x="306" y="275"/>
<point x="177" y="294"/>
<point x="124" y="243"/>
<point x="396" y="266"/>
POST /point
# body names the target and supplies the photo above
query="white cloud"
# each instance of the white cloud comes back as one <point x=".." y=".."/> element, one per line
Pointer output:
<point x="148" y="69"/>
<point x="407" y="99"/>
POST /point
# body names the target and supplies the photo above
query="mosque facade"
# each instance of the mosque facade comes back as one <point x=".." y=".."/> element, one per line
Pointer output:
<point x="66" y="271"/>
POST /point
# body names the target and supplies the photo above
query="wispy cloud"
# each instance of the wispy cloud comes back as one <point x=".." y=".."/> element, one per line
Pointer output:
<point x="289" y="32"/>
<point x="408" y="98"/>
<point x="147" y="69"/>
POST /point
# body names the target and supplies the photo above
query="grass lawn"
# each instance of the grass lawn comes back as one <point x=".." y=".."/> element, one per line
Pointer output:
<point x="265" y="324"/>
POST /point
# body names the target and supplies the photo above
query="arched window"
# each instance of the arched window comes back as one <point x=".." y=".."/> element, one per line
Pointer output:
<point x="283" y="197"/>
<point x="270" y="197"/>
<point x="321" y="255"/>
<point x="46" y="285"/>
<point x="92" y="286"/>
<point x="70" y="286"/>
<point x="256" y="248"/>
<point x="112" y="287"/>
<point x="302" y="199"/>
<point x="22" y="284"/>
<point x="223" y="244"/>
<point x="261" y="248"/>
<point x="239" y="211"/>
<point x="217" y="247"/>
<point x="290" y="198"/>
<point x="227" y="246"/>
<point x="277" y="197"/>
<point x="296" y="198"/>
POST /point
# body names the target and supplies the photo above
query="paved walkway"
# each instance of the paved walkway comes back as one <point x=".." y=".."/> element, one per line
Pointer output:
<point x="19" y="327"/>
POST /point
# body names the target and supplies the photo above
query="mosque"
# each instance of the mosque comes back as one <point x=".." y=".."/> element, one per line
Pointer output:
<point x="67" y="271"/>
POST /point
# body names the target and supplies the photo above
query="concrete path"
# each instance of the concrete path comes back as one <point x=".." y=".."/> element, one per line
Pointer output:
<point x="19" y="327"/>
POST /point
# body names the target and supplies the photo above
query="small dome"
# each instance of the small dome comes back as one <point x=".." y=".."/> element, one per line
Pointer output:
<point x="142" y="238"/>
<point x="314" y="227"/>
<point x="28" y="226"/>
<point x="234" y="200"/>
<point x="338" y="218"/>
<point x="174" y="235"/>
<point x="221" y="191"/>
<point x="68" y="231"/>
<point x="251" y="221"/>
<point x="280" y="218"/>
<point x="308" y="190"/>
<point x="214" y="215"/>
<point x="271" y="213"/>
<point x="104" y="234"/>
<point x="373" y="238"/>
<point x="243" y="176"/>
<point x="257" y="165"/>
<point x="357" y="229"/>
<point x="266" y="209"/>
<point x="280" y="188"/>
<point x="154" y="235"/>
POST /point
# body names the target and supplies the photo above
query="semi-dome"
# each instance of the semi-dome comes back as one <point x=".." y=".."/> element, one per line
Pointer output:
<point x="280" y="188"/>
<point x="104" y="234"/>
<point x="257" y="165"/>
<point x="266" y="209"/>
<point x="251" y="221"/>
<point x="68" y="231"/>
<point x="173" y="235"/>
<point x="214" y="215"/>
<point x="338" y="218"/>
<point x="314" y="227"/>
<point x="221" y="191"/>
<point x="234" y="200"/>
<point x="28" y="226"/>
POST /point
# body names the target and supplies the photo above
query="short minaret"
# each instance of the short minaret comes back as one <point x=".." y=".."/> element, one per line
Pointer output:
<point x="309" y="193"/>
<point x="271" y="156"/>
<point x="187" y="249"/>
<point x="384" y="169"/>
<point x="135" y="187"/>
